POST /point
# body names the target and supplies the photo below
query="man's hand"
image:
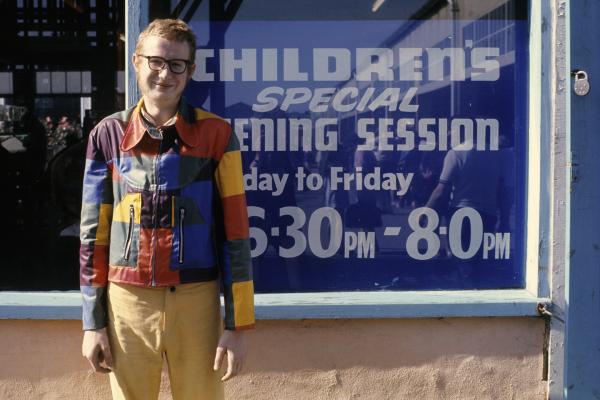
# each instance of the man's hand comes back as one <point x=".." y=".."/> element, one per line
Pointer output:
<point x="96" y="349"/>
<point x="232" y="343"/>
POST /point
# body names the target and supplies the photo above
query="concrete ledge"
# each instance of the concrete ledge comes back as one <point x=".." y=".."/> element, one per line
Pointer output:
<point x="471" y="303"/>
<point x="40" y="305"/>
<point x="430" y="304"/>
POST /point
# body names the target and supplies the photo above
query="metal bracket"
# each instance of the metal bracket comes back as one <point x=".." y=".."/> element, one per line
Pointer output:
<point x="544" y="309"/>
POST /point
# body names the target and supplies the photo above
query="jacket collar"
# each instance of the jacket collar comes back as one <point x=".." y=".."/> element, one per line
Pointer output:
<point x="184" y="124"/>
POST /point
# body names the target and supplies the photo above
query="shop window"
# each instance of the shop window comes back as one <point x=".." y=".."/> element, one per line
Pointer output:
<point x="347" y="117"/>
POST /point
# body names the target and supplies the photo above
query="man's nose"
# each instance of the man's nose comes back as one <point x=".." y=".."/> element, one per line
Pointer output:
<point x="163" y="73"/>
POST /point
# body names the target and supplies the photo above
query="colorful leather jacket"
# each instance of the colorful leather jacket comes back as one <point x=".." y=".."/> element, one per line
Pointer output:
<point x="164" y="206"/>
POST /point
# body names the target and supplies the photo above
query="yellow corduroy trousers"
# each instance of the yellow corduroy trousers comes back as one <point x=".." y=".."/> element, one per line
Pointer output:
<point x="180" y="324"/>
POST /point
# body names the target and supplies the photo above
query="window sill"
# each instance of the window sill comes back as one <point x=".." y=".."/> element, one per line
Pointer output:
<point x="329" y="305"/>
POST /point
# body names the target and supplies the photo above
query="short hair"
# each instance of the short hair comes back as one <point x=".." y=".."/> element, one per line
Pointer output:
<point x="170" y="29"/>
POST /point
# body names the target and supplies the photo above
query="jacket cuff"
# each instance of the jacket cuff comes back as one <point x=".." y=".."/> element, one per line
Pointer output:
<point x="94" y="307"/>
<point x="239" y="328"/>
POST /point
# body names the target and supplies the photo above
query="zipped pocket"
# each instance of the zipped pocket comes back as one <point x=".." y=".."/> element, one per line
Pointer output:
<point x="129" y="233"/>
<point x="181" y="241"/>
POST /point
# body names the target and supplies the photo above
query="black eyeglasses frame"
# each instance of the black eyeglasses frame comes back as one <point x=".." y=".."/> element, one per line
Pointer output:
<point x="187" y="63"/>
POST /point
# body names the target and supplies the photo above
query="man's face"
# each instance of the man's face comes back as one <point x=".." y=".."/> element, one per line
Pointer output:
<point x="163" y="87"/>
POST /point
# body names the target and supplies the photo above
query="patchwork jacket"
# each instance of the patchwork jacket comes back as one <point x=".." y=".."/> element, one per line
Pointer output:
<point x="164" y="206"/>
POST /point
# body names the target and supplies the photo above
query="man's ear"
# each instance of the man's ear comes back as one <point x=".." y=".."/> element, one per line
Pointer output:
<point x="134" y="61"/>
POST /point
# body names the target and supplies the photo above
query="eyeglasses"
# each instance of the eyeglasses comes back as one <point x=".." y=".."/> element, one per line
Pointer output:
<point x="177" y="66"/>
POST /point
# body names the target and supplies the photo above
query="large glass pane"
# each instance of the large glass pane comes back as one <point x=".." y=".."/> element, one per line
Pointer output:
<point x="384" y="142"/>
<point x="44" y="125"/>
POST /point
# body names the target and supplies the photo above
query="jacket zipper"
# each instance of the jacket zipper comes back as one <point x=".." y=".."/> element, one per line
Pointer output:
<point x="155" y="204"/>
<point x="181" y="241"/>
<point x="129" y="233"/>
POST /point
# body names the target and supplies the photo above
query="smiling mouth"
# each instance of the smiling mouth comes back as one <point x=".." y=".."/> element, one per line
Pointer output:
<point x="163" y="85"/>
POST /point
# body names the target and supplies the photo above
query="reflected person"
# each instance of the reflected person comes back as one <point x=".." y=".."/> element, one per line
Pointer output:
<point x="469" y="178"/>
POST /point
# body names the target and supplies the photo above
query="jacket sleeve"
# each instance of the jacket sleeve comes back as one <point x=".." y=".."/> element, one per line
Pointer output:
<point x="235" y="262"/>
<point x="96" y="217"/>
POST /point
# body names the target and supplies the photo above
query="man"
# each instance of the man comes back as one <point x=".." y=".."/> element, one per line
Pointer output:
<point x="163" y="221"/>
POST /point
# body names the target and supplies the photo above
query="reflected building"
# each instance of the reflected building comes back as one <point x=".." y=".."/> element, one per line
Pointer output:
<point x="62" y="57"/>
<point x="430" y="68"/>
<point x="61" y="69"/>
